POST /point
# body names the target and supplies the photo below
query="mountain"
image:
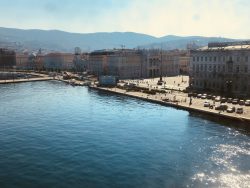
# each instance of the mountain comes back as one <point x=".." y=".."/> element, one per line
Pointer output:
<point x="55" y="40"/>
<point x="176" y="42"/>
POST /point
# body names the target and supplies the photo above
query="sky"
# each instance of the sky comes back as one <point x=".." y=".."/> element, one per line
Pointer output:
<point x="217" y="18"/>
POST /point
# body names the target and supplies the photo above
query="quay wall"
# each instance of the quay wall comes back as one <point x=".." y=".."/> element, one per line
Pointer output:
<point x="244" y="120"/>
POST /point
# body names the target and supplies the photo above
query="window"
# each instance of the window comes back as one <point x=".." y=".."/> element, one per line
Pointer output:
<point x="201" y="58"/>
<point x="215" y="58"/>
<point x="236" y="87"/>
<point x="237" y="69"/>
<point x="246" y="58"/>
<point x="193" y="58"/>
<point x="205" y="58"/>
<point x="198" y="59"/>
<point x="210" y="58"/>
<point x="230" y="67"/>
<point x="246" y="69"/>
<point x="238" y="58"/>
<point x="210" y="67"/>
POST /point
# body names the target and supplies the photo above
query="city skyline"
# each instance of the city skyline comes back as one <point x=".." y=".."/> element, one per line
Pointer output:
<point x="160" y="18"/>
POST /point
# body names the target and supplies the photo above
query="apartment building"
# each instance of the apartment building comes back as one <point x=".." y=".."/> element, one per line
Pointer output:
<point x="59" y="61"/>
<point x="7" y="58"/>
<point x="122" y="63"/>
<point x="222" y="68"/>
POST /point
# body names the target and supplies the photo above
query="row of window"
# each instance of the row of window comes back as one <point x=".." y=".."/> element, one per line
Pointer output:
<point x="154" y="63"/>
<point x="220" y="68"/>
<point x="220" y="58"/>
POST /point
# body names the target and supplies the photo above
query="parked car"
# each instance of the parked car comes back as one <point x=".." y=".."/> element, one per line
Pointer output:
<point x="223" y="100"/>
<point x="217" y="107"/>
<point x="229" y="100"/>
<point x="209" y="96"/>
<point x="206" y="104"/>
<point x="159" y="83"/>
<point x="217" y="99"/>
<point x="239" y="110"/>
<point x="235" y="101"/>
<point x="213" y="97"/>
<point x="221" y="107"/>
<point x="204" y="96"/>
<point x="247" y="103"/>
<point x="241" y="102"/>
<point x="231" y="109"/>
<point x="199" y="95"/>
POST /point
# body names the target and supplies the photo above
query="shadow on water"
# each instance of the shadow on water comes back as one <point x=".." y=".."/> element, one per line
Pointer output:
<point x="241" y="126"/>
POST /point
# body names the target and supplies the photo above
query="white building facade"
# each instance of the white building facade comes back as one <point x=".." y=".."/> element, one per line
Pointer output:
<point x="222" y="68"/>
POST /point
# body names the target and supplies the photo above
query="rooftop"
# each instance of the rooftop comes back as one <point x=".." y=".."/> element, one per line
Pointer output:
<point x="224" y="46"/>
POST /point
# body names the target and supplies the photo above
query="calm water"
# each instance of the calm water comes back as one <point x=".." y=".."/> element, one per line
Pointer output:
<point x="55" y="135"/>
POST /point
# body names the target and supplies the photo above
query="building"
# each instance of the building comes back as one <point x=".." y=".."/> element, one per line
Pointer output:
<point x="184" y="63"/>
<point x="107" y="81"/>
<point x="152" y="62"/>
<point x="7" y="58"/>
<point x="59" y="61"/>
<point x="22" y="60"/>
<point x="166" y="63"/>
<point x="134" y="64"/>
<point x="124" y="63"/>
<point x="222" y="68"/>
<point x="171" y="63"/>
<point x="97" y="62"/>
<point x="39" y="61"/>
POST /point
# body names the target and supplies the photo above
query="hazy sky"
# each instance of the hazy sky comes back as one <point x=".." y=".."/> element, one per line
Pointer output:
<point x="225" y="18"/>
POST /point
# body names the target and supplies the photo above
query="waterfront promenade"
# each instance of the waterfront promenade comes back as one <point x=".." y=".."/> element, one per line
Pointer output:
<point x="26" y="80"/>
<point x="181" y="102"/>
<point x="37" y="77"/>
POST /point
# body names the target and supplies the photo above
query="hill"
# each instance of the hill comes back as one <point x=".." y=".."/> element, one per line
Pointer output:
<point x="55" y="40"/>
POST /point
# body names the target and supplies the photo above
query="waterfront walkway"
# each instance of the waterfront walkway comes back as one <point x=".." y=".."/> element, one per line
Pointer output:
<point x="25" y="80"/>
<point x="182" y="102"/>
<point x="38" y="77"/>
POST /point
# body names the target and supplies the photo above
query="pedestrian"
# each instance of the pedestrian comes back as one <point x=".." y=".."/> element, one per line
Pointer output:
<point x="190" y="101"/>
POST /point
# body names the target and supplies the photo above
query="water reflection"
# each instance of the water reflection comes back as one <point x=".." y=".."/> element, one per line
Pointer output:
<point x="55" y="135"/>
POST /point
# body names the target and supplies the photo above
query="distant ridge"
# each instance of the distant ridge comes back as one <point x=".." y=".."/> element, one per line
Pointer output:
<point x="55" y="40"/>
